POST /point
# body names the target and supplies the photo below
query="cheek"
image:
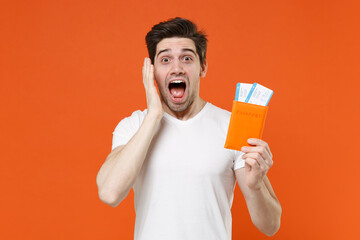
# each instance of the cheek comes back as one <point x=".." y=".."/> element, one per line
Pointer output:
<point x="194" y="71"/>
<point x="158" y="74"/>
<point x="160" y="82"/>
<point x="195" y="74"/>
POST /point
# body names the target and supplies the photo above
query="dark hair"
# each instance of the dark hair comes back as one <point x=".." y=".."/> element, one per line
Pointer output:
<point x="176" y="27"/>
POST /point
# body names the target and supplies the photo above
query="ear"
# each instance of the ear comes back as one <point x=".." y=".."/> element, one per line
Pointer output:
<point x="203" y="69"/>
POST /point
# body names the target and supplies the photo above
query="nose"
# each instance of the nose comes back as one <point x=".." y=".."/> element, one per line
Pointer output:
<point x="177" y="67"/>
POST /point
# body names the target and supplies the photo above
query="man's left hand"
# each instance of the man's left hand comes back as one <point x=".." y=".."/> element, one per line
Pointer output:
<point x="258" y="160"/>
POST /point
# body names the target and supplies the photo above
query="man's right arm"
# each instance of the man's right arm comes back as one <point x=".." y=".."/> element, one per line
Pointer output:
<point x="120" y="169"/>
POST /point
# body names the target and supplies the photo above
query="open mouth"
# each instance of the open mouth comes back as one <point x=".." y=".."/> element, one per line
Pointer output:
<point x="177" y="89"/>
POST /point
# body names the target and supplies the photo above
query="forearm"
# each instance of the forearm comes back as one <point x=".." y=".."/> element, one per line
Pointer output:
<point x="264" y="208"/>
<point x="117" y="175"/>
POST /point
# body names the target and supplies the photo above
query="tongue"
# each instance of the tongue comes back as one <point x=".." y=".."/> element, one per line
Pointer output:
<point x="177" y="92"/>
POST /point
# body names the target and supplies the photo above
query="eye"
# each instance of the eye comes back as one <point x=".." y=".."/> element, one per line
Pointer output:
<point x="165" y="60"/>
<point x="187" y="58"/>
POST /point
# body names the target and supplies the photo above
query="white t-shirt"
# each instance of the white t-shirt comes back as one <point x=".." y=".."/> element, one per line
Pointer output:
<point x="185" y="188"/>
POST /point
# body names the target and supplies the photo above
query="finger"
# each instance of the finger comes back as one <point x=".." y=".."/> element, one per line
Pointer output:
<point x="256" y="156"/>
<point x="147" y="69"/>
<point x="144" y="65"/>
<point x="252" y="163"/>
<point x="266" y="160"/>
<point x="264" y="166"/>
<point x="144" y="70"/>
<point x="259" y="142"/>
<point x="148" y="79"/>
<point x="151" y="74"/>
<point x="259" y="149"/>
<point x="144" y="62"/>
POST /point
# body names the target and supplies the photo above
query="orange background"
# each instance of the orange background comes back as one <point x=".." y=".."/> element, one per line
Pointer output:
<point x="71" y="70"/>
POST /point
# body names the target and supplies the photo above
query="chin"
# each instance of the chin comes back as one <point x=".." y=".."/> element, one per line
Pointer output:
<point x="178" y="107"/>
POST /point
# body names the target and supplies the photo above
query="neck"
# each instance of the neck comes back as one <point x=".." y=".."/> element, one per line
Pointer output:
<point x="190" y="112"/>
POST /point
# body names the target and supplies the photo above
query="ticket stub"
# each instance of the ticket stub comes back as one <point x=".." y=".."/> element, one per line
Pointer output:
<point x="242" y="91"/>
<point x="237" y="91"/>
<point x="259" y="95"/>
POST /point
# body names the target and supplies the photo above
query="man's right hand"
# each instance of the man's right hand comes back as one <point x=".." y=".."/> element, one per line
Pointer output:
<point x="118" y="173"/>
<point x="152" y="97"/>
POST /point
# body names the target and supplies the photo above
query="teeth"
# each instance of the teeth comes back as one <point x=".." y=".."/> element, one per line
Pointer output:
<point x="177" y="81"/>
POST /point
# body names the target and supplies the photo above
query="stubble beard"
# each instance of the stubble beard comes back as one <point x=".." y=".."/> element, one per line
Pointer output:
<point x="180" y="107"/>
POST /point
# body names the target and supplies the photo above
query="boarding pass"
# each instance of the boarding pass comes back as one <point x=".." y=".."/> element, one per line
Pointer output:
<point x="253" y="93"/>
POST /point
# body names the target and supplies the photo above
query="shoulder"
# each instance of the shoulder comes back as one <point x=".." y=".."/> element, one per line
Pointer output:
<point x="136" y="117"/>
<point x="127" y="127"/>
<point x="218" y="113"/>
<point x="220" y="117"/>
<point x="133" y="121"/>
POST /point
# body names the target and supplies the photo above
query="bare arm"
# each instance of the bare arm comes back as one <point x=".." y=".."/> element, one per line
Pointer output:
<point x="263" y="205"/>
<point x="120" y="169"/>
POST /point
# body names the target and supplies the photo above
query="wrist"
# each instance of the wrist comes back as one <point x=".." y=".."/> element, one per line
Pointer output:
<point x="154" y="115"/>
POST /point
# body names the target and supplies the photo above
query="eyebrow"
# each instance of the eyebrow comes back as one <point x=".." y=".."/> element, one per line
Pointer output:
<point x="183" y="50"/>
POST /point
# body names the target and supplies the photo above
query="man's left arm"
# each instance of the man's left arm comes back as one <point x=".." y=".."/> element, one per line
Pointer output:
<point x="263" y="205"/>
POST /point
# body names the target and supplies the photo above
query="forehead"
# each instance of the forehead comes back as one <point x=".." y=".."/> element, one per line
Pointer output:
<point x="174" y="44"/>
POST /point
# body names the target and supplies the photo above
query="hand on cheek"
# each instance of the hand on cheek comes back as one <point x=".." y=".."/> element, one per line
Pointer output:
<point x="152" y="96"/>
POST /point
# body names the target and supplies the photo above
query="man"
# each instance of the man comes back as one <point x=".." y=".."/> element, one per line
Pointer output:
<point x="172" y="154"/>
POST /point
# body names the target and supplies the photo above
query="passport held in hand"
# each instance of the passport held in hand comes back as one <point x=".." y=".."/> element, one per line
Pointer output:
<point x="248" y="114"/>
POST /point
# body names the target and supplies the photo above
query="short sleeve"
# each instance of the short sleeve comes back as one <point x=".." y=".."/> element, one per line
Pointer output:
<point x="239" y="162"/>
<point x="127" y="128"/>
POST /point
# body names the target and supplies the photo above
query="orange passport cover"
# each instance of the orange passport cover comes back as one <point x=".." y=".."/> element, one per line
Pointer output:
<point x="247" y="121"/>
